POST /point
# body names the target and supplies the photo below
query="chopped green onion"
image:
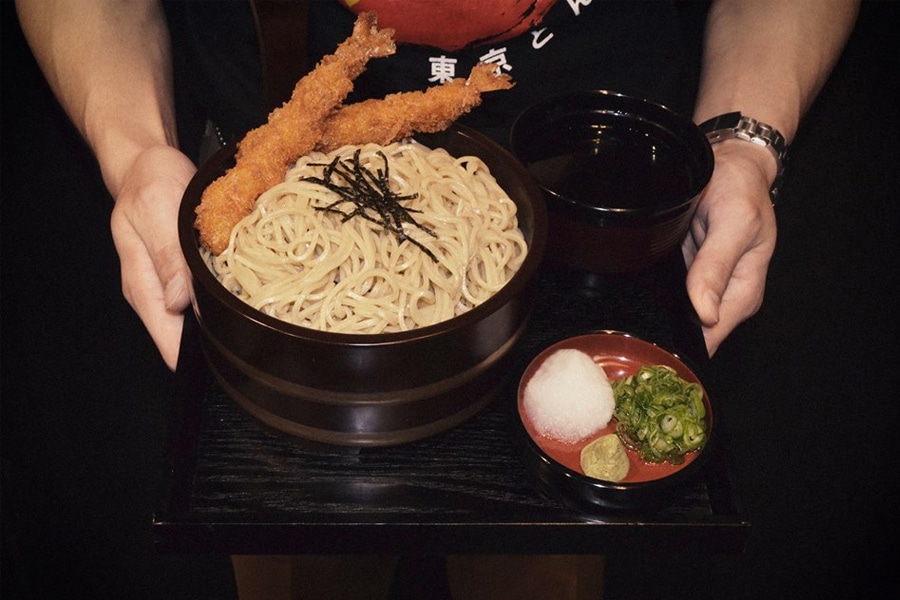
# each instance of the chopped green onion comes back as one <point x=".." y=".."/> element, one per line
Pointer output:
<point x="660" y="415"/>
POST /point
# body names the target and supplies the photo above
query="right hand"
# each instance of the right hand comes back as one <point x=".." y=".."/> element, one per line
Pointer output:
<point x="144" y="222"/>
<point x="731" y="240"/>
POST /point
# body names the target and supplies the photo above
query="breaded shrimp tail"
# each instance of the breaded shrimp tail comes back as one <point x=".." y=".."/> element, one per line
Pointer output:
<point x="401" y="115"/>
<point x="291" y="131"/>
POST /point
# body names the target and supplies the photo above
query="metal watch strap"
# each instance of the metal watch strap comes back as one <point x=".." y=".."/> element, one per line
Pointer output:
<point x="737" y="126"/>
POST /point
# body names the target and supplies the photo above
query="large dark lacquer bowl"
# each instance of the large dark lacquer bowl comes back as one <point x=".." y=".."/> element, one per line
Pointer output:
<point x="367" y="390"/>
<point x="622" y="177"/>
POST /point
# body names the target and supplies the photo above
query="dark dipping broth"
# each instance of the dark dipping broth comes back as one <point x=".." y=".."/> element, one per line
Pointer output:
<point x="611" y="168"/>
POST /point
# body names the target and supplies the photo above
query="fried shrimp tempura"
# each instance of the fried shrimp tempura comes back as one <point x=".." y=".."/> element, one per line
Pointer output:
<point x="401" y="115"/>
<point x="291" y="131"/>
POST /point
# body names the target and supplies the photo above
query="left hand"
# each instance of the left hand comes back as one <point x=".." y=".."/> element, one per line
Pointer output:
<point x="731" y="240"/>
<point x="155" y="276"/>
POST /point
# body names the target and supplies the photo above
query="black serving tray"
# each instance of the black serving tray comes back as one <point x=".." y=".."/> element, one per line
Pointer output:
<point x="233" y="486"/>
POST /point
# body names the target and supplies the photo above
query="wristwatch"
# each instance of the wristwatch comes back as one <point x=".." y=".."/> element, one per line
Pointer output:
<point x="734" y="125"/>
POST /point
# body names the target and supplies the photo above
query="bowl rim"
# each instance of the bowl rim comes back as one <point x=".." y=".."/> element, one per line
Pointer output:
<point x="203" y="276"/>
<point x="583" y="481"/>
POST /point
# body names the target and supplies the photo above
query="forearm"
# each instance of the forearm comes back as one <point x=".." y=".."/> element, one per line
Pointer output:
<point x="109" y="63"/>
<point x="769" y="58"/>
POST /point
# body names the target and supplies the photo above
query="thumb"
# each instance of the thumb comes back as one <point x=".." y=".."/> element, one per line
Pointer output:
<point x="174" y="277"/>
<point x="707" y="279"/>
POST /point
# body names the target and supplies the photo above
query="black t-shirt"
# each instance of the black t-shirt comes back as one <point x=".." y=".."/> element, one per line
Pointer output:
<point x="643" y="49"/>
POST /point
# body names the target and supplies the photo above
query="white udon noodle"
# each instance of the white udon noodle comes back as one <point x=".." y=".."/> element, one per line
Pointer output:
<point x="306" y="267"/>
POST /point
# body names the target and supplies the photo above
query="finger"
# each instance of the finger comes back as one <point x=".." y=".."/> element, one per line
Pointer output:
<point x="143" y="290"/>
<point x="731" y="314"/>
<point x="708" y="277"/>
<point x="713" y="337"/>
<point x="158" y="229"/>
<point x="175" y="278"/>
<point x="158" y="215"/>
<point x="692" y="241"/>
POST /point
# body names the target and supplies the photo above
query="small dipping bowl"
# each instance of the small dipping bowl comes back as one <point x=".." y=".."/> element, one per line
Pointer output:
<point x="556" y="466"/>
<point x="622" y="177"/>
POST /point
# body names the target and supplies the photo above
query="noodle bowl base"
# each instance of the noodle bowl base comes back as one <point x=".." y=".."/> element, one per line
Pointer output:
<point x="358" y="418"/>
<point x="356" y="389"/>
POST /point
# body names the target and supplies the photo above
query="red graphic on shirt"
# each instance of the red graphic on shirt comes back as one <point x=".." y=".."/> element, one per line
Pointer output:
<point x="452" y="24"/>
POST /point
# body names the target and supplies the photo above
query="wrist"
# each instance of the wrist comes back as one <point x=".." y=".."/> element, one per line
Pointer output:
<point x="117" y="154"/>
<point x="743" y="129"/>
<point x="745" y="167"/>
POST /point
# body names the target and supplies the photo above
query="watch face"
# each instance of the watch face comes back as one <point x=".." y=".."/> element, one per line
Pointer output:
<point x="725" y="121"/>
<point x="735" y="125"/>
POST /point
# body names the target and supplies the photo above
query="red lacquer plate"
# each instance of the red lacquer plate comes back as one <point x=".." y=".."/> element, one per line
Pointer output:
<point x="557" y="464"/>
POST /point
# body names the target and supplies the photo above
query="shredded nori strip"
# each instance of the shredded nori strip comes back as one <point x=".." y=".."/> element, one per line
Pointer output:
<point x="371" y="195"/>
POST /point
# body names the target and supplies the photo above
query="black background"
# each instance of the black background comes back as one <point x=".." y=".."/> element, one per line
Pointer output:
<point x="807" y="389"/>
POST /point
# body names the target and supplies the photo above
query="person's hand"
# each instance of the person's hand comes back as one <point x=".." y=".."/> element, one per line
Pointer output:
<point x="144" y="222"/>
<point x="731" y="241"/>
